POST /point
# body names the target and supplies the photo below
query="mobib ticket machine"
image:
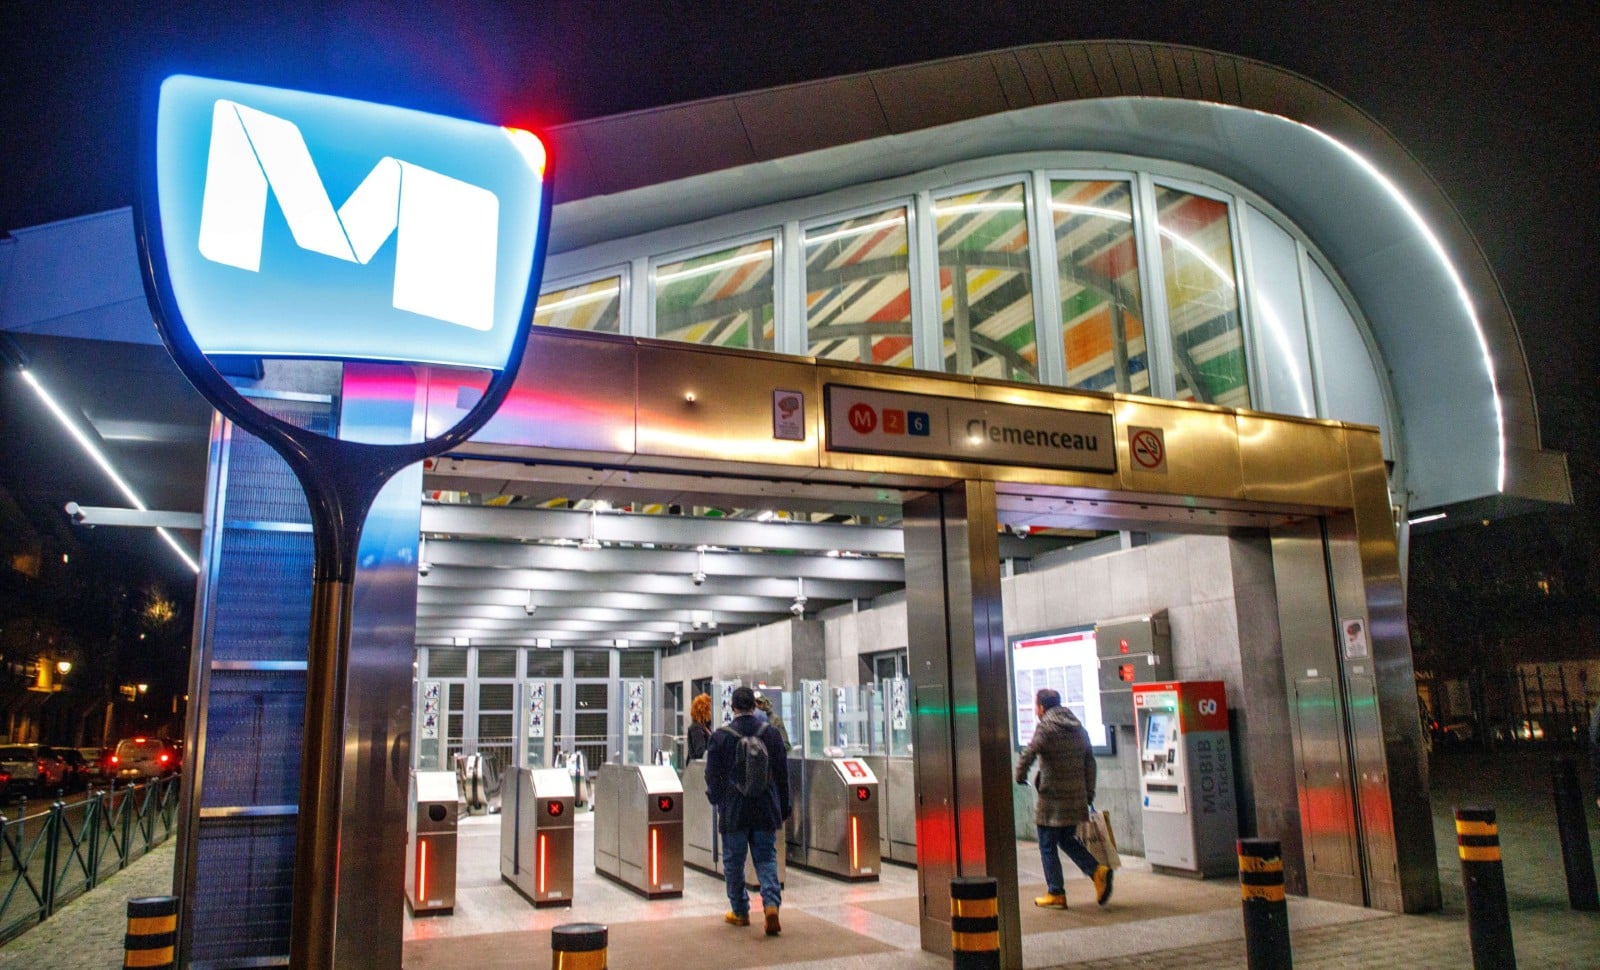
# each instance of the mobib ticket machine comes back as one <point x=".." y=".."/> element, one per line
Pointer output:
<point x="1186" y="777"/>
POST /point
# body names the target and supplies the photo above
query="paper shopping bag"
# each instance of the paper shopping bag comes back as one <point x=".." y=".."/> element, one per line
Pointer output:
<point x="1097" y="837"/>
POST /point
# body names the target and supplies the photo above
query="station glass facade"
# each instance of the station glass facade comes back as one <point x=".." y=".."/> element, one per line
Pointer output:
<point x="1154" y="280"/>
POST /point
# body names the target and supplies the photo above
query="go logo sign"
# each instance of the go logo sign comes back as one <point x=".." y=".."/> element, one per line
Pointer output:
<point x="1207" y="706"/>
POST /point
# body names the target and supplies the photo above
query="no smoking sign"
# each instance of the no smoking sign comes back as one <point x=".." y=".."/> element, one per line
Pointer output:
<point x="1147" y="449"/>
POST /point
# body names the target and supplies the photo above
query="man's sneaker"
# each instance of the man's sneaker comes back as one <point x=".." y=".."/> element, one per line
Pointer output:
<point x="1102" y="884"/>
<point x="1051" y="901"/>
<point x="734" y="919"/>
<point x="773" y="929"/>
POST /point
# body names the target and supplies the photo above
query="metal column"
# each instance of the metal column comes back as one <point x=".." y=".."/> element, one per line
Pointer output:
<point x="959" y="691"/>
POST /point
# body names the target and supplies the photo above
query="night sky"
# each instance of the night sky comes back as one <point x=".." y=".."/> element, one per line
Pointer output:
<point x="1497" y="100"/>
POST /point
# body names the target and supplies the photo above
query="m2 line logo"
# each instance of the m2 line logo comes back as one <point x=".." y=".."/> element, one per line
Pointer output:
<point x="446" y="229"/>
<point x="864" y="419"/>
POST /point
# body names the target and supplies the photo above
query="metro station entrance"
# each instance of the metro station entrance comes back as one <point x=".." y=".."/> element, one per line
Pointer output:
<point x="1260" y="539"/>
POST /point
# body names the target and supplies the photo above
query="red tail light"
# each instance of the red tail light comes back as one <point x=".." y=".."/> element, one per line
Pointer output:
<point x="115" y="759"/>
<point x="165" y="758"/>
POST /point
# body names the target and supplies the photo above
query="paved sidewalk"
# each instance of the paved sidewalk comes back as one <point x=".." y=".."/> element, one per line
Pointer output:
<point x="87" y="933"/>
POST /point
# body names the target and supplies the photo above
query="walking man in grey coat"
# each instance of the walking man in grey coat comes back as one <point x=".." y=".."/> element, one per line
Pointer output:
<point x="1065" y="791"/>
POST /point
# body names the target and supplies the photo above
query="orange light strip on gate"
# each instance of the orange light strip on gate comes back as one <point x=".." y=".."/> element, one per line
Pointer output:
<point x="422" y="871"/>
<point x="542" y="837"/>
<point x="655" y="859"/>
<point x="855" y="843"/>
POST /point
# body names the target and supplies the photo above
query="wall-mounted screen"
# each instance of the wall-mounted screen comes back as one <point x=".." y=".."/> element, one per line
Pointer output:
<point x="1064" y="660"/>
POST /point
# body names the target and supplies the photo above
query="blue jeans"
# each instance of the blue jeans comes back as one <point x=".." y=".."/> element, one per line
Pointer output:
<point x="763" y="848"/>
<point x="1065" y="838"/>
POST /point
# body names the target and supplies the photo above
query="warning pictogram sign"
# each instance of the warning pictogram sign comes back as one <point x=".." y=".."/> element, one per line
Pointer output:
<point x="1147" y="449"/>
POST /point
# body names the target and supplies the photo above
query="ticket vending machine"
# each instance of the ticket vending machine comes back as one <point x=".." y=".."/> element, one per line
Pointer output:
<point x="1186" y="777"/>
<point x="536" y="834"/>
<point x="638" y="828"/>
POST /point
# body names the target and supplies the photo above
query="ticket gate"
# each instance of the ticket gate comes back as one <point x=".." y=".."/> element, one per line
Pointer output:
<point x="536" y="835"/>
<point x="834" y="830"/>
<point x="431" y="843"/>
<point x="702" y="849"/>
<point x="638" y="828"/>
<point x="897" y="808"/>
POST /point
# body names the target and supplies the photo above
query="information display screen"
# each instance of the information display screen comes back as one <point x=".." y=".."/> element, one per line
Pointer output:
<point x="1065" y="661"/>
<point x="1157" y="733"/>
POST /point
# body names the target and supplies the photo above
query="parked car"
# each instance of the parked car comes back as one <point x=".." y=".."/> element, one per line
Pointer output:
<point x="142" y="759"/>
<point x="98" y="760"/>
<point x="80" y="770"/>
<point x="33" y="769"/>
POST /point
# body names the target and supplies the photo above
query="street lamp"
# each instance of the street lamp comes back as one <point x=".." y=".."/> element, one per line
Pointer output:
<point x="64" y="666"/>
<point x="143" y="688"/>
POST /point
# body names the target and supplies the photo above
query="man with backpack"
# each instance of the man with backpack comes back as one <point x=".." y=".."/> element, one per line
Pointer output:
<point x="747" y="779"/>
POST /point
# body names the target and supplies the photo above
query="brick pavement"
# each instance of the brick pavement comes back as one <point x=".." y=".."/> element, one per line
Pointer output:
<point x="87" y="933"/>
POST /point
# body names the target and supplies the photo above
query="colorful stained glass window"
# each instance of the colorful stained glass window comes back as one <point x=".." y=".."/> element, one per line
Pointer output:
<point x="1097" y="268"/>
<point x="858" y="290"/>
<point x="985" y="295"/>
<point x="1202" y="299"/>
<point x="588" y="306"/>
<point x="722" y="298"/>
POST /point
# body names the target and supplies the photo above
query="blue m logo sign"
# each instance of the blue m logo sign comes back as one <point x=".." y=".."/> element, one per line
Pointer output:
<point x="445" y="253"/>
<point x="302" y="225"/>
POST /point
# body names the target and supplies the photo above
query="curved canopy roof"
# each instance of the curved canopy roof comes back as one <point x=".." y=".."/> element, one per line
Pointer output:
<point x="1469" y="426"/>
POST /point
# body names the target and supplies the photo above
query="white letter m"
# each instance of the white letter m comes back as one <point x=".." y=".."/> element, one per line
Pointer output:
<point x="447" y="229"/>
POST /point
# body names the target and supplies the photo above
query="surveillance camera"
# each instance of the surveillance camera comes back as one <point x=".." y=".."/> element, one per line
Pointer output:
<point x="531" y="608"/>
<point x="677" y="638"/>
<point x="699" y="577"/>
<point x="75" y="512"/>
<point x="798" y="607"/>
<point x="1020" y="531"/>
<point x="423" y="567"/>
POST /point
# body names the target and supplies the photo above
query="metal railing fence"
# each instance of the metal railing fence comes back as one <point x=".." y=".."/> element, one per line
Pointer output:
<point x="51" y="857"/>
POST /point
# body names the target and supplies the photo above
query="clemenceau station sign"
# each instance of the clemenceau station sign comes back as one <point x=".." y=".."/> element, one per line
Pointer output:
<point x="923" y="426"/>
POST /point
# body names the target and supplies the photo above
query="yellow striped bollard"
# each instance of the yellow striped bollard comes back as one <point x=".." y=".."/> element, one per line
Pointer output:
<point x="152" y="937"/>
<point x="1484" y="878"/>
<point x="975" y="923"/>
<point x="1266" y="911"/>
<point x="578" y="946"/>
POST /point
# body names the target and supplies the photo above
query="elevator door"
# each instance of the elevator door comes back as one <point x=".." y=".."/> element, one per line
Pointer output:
<point x="1324" y="786"/>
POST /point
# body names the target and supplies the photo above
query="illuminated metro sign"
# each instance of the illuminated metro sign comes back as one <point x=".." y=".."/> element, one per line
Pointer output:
<point x="860" y="419"/>
<point x="303" y="225"/>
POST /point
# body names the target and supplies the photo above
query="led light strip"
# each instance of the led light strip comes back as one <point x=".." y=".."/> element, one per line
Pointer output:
<point x="422" y="871"/>
<point x="542" y="858"/>
<point x="94" y="452"/>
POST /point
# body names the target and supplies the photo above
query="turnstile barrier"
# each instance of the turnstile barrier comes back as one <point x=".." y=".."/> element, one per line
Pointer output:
<point x="702" y="841"/>
<point x="536" y="835"/>
<point x="837" y="832"/>
<point x="638" y="828"/>
<point x="431" y="843"/>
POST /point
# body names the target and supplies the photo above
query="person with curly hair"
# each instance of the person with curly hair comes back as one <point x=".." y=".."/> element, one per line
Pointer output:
<point x="699" y="725"/>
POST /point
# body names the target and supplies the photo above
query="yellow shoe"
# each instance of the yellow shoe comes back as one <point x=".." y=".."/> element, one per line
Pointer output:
<point x="773" y="929"/>
<point x="1051" y="901"/>
<point x="734" y="919"/>
<point x="1102" y="884"/>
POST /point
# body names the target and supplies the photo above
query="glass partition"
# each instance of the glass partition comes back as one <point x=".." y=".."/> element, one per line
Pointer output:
<point x="985" y="292"/>
<point x="541" y="699"/>
<point x="858" y="290"/>
<point x="816" y="716"/>
<point x="1097" y="269"/>
<point x="722" y="298"/>
<point x="595" y="306"/>
<point x="1202" y="298"/>
<point x="852" y="719"/>
<point x="894" y="702"/>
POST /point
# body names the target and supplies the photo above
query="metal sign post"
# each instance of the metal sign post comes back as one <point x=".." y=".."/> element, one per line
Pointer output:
<point x="434" y="257"/>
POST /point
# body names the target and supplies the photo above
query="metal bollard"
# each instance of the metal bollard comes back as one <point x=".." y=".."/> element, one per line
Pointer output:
<point x="1483" y="876"/>
<point x="1572" y="822"/>
<point x="1266" y="911"/>
<point x="152" y="933"/>
<point x="975" y="923"/>
<point x="578" y="946"/>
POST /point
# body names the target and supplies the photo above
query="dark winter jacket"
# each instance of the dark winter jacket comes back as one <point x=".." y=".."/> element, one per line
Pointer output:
<point x="699" y="737"/>
<point x="736" y="813"/>
<point x="1066" y="769"/>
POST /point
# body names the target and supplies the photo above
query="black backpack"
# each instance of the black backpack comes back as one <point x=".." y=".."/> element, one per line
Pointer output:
<point x="752" y="771"/>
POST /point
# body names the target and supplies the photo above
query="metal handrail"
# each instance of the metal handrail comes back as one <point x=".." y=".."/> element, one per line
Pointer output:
<point x="51" y="857"/>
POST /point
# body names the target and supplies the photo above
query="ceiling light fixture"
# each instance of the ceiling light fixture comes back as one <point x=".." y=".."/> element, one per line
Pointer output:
<point x="93" y="450"/>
